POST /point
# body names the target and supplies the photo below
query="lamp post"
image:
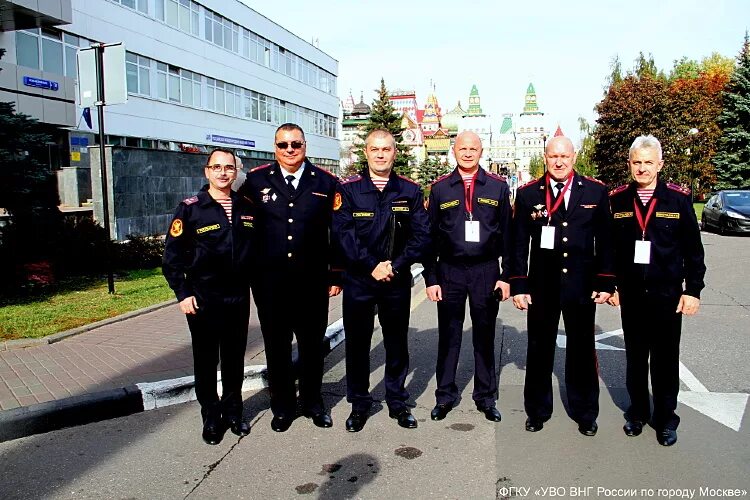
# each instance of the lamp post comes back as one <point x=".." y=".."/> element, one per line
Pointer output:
<point x="544" y="151"/>
<point x="692" y="133"/>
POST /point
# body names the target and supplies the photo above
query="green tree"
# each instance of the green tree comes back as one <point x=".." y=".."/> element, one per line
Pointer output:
<point x="431" y="169"/>
<point x="536" y="166"/>
<point x="732" y="159"/>
<point x="27" y="186"/>
<point x="584" y="163"/>
<point x="383" y="115"/>
<point x="685" y="68"/>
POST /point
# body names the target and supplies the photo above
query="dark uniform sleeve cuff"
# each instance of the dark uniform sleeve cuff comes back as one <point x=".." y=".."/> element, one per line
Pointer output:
<point x="605" y="283"/>
<point x="519" y="285"/>
<point x="335" y="277"/>
<point x="693" y="292"/>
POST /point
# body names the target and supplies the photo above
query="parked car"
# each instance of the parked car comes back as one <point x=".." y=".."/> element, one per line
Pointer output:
<point x="728" y="212"/>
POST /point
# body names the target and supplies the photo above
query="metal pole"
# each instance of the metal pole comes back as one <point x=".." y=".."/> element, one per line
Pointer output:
<point x="103" y="164"/>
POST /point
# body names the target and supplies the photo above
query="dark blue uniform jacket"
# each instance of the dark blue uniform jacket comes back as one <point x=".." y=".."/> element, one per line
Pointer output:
<point x="371" y="226"/>
<point x="205" y="256"/>
<point x="448" y="214"/>
<point x="676" y="248"/>
<point x="582" y="260"/>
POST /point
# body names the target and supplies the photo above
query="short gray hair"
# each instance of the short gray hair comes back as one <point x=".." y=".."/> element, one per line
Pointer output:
<point x="645" y="142"/>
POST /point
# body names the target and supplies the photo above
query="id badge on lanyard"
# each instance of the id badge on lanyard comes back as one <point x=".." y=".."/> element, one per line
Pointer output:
<point x="642" y="254"/>
<point x="471" y="227"/>
<point x="548" y="237"/>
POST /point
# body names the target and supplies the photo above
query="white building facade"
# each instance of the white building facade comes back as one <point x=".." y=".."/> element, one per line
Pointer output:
<point x="199" y="75"/>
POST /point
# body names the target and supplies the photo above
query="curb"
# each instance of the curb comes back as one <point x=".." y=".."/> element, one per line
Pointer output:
<point x="9" y="345"/>
<point x="96" y="406"/>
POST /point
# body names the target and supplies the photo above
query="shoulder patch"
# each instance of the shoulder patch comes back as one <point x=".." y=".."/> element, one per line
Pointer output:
<point x="353" y="178"/>
<point x="618" y="189"/>
<point x="408" y="180"/>
<point x="191" y="200"/>
<point x="678" y="188"/>
<point x="260" y="167"/>
<point x="530" y="183"/>
<point x="594" y="180"/>
<point x="441" y="178"/>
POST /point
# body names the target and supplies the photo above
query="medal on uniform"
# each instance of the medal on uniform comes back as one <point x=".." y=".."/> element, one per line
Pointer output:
<point x="548" y="237"/>
<point x="642" y="253"/>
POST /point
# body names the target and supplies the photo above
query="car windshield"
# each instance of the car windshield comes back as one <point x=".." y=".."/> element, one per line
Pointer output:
<point x="738" y="199"/>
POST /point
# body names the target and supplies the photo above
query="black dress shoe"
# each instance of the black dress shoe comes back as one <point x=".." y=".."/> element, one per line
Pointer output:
<point x="405" y="418"/>
<point x="588" y="428"/>
<point x="356" y="421"/>
<point x="633" y="428"/>
<point x="213" y="431"/>
<point x="238" y="426"/>
<point x="534" y="425"/>
<point x="321" y="419"/>
<point x="667" y="437"/>
<point x="491" y="413"/>
<point x="440" y="411"/>
<point x="281" y="424"/>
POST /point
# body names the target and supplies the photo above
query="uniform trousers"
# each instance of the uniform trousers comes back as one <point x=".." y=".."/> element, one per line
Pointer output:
<point x="581" y="366"/>
<point x="293" y="303"/>
<point x="651" y="327"/>
<point x="457" y="282"/>
<point x="219" y="333"/>
<point x="361" y="296"/>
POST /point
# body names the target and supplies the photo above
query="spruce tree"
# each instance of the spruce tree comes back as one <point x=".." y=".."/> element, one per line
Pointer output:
<point x="732" y="159"/>
<point x="27" y="187"/>
<point x="384" y="115"/>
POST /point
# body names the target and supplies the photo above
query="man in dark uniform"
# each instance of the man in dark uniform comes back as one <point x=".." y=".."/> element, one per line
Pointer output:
<point x="206" y="262"/>
<point x="292" y="275"/>
<point x="381" y="227"/>
<point x="470" y="219"/>
<point x="660" y="270"/>
<point x="566" y="218"/>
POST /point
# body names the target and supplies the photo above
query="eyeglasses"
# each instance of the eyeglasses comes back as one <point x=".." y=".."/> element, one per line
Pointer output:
<point x="218" y="168"/>
<point x="294" y="144"/>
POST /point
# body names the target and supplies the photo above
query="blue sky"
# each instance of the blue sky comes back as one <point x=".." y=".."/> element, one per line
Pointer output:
<point x="564" y="48"/>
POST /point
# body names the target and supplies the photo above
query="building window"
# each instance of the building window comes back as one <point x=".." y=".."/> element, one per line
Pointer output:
<point x="140" y="5"/>
<point x="221" y="31"/>
<point x="181" y="14"/>
<point x="137" y="73"/>
<point x="27" y="49"/>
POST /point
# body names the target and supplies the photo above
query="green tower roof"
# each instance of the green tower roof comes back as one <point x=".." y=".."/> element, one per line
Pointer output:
<point x="507" y="125"/>
<point x="530" y="106"/>
<point x="475" y="109"/>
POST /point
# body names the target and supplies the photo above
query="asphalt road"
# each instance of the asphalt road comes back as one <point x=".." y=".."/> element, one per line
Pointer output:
<point x="159" y="454"/>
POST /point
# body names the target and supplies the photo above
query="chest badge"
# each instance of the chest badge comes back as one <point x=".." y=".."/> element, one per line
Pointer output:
<point x="539" y="211"/>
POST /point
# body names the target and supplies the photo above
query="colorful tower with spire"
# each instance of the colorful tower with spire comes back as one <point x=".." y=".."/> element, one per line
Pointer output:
<point x="476" y="121"/>
<point x="530" y="132"/>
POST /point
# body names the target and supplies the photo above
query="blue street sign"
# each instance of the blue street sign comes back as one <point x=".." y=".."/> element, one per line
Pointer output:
<point x="30" y="81"/>
<point x="231" y="140"/>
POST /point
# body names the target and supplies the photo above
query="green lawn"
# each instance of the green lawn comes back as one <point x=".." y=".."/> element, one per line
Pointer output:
<point x="699" y="208"/>
<point x="80" y="301"/>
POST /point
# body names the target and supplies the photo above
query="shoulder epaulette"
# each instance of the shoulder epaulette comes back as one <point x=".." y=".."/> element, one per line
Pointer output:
<point x="353" y="178"/>
<point x="191" y="200"/>
<point x="678" y="188"/>
<point x="441" y="178"/>
<point x="592" y="179"/>
<point x="260" y="167"/>
<point x="408" y="180"/>
<point x="328" y="172"/>
<point x="497" y="176"/>
<point x="619" y="189"/>
<point x="530" y="183"/>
